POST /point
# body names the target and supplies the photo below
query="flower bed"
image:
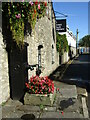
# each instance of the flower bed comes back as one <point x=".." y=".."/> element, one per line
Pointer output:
<point x="40" y="90"/>
<point x="40" y="85"/>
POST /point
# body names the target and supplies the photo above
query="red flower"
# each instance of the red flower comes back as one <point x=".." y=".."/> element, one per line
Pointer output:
<point x="49" y="90"/>
<point x="43" y="87"/>
<point x="45" y="3"/>
<point x="35" y="11"/>
<point x="31" y="87"/>
<point x="57" y="89"/>
<point x="62" y="112"/>
<point x="27" y="85"/>
<point x="36" y="91"/>
<point x="36" y="2"/>
<point x="40" y="85"/>
<point x="39" y="6"/>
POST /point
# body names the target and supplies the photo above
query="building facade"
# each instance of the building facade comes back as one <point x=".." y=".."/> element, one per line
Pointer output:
<point x="42" y="44"/>
<point x="4" y="73"/>
<point x="41" y="51"/>
<point x="71" y="42"/>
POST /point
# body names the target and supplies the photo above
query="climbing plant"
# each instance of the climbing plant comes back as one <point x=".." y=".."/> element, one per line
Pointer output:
<point x="17" y="13"/>
<point x="62" y="43"/>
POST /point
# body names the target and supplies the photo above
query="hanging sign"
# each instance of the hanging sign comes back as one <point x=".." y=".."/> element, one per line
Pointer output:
<point x="61" y="25"/>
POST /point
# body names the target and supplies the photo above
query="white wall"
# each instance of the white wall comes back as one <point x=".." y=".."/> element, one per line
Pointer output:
<point x="70" y="39"/>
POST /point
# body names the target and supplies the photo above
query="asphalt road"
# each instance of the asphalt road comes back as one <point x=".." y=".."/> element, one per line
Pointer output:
<point x="79" y="69"/>
<point x="79" y="73"/>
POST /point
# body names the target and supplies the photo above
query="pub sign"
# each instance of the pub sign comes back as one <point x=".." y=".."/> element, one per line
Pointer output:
<point x="61" y="25"/>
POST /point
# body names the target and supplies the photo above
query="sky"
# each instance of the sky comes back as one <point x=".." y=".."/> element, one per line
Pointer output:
<point x="77" y="16"/>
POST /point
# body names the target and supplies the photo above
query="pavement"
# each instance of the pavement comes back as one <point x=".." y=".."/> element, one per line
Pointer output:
<point x="70" y="102"/>
<point x="66" y="105"/>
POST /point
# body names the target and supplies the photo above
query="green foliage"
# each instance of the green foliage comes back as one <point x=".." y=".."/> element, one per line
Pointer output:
<point x="62" y="43"/>
<point x="3" y="103"/>
<point x="41" y="107"/>
<point x="17" y="13"/>
<point x="85" y="41"/>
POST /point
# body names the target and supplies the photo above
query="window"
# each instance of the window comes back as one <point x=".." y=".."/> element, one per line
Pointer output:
<point x="53" y="34"/>
<point x="39" y="55"/>
<point x="52" y="54"/>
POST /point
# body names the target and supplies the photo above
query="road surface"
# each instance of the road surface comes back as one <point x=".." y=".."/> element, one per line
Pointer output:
<point x="79" y="73"/>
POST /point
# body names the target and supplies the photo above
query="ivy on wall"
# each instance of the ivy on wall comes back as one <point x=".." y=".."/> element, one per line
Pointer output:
<point x="62" y="43"/>
<point x="17" y="13"/>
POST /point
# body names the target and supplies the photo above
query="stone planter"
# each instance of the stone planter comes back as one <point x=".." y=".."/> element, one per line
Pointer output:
<point x="38" y="99"/>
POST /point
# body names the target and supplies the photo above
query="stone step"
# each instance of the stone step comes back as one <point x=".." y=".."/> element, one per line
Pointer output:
<point x="27" y="108"/>
<point x="82" y="91"/>
<point x="68" y="91"/>
<point x="61" y="115"/>
<point x="14" y="103"/>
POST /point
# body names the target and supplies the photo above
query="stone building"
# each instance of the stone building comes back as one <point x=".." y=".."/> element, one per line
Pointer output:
<point x="42" y="44"/>
<point x="4" y="76"/>
<point x="41" y="50"/>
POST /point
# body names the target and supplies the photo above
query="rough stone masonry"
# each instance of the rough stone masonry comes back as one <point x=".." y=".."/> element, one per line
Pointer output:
<point x="4" y="76"/>
<point x="44" y="34"/>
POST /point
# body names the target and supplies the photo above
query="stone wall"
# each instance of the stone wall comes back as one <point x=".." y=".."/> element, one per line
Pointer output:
<point x="43" y="35"/>
<point x="4" y="76"/>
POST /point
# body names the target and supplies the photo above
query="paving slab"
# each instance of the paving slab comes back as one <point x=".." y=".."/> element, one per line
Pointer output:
<point x="50" y="109"/>
<point x="66" y="101"/>
<point x="70" y="105"/>
<point x="0" y="112"/>
<point x="61" y="115"/>
<point x="68" y="91"/>
<point x="20" y="114"/>
<point x="27" y="108"/>
<point x="14" y="114"/>
<point x="7" y="110"/>
<point x="85" y="109"/>
<point x="82" y="91"/>
<point x="14" y="103"/>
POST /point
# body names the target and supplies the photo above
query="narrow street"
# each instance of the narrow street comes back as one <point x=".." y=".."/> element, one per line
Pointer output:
<point x="79" y="69"/>
<point x="78" y="73"/>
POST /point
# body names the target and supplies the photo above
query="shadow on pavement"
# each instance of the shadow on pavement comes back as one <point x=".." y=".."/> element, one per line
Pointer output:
<point x="28" y="117"/>
<point x="66" y="103"/>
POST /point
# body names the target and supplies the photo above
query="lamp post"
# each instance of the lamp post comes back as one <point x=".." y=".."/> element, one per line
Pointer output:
<point x="77" y="41"/>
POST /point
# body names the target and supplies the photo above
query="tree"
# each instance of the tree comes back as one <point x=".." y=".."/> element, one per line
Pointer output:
<point x="85" y="41"/>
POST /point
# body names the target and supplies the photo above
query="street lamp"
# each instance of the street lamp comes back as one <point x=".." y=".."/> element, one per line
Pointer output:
<point x="77" y="41"/>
